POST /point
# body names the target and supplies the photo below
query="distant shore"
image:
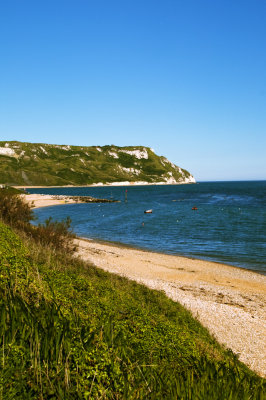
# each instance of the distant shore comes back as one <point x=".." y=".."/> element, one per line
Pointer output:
<point x="106" y="185"/>
<point x="47" y="200"/>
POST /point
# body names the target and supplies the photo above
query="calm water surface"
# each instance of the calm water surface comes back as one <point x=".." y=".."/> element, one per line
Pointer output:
<point x="229" y="225"/>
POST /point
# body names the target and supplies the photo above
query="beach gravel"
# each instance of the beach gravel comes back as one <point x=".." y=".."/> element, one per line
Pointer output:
<point x="228" y="301"/>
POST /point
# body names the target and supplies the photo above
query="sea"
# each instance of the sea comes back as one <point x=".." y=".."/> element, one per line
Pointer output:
<point x="228" y="225"/>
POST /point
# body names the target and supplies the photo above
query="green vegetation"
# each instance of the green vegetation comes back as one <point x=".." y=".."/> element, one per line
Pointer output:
<point x="46" y="164"/>
<point x="11" y="190"/>
<point x="71" y="331"/>
<point x="15" y="212"/>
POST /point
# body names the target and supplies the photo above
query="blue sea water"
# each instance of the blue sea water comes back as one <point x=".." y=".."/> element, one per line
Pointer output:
<point x="229" y="225"/>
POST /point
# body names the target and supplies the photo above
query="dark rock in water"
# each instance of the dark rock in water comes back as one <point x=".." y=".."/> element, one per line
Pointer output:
<point x="88" y="199"/>
<point x="85" y="199"/>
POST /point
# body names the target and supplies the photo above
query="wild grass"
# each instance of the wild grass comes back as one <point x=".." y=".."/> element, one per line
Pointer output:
<point x="71" y="331"/>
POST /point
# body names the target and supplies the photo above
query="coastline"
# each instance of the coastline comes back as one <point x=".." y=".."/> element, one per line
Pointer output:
<point x="47" y="200"/>
<point x="100" y="184"/>
<point x="228" y="301"/>
<point x="181" y="255"/>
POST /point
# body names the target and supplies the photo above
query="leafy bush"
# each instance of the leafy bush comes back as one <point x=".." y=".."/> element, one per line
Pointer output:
<point x="14" y="210"/>
<point x="53" y="233"/>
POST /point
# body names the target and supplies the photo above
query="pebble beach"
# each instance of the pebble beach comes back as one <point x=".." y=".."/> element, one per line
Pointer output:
<point x="228" y="301"/>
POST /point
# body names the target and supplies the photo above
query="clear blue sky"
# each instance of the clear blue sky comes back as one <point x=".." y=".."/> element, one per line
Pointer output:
<point x="187" y="78"/>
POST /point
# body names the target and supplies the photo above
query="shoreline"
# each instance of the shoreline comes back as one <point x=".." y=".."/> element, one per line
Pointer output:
<point x="126" y="246"/>
<point x="41" y="201"/>
<point x="228" y="301"/>
<point x="111" y="184"/>
<point x="135" y="247"/>
<point x="48" y="200"/>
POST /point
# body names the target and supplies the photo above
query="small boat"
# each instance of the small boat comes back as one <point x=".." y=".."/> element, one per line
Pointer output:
<point x="194" y="208"/>
<point x="147" y="211"/>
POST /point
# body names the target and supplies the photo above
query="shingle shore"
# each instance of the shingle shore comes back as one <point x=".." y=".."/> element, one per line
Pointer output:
<point x="229" y="301"/>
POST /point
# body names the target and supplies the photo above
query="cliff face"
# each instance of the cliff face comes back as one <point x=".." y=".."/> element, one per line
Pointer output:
<point x="58" y="165"/>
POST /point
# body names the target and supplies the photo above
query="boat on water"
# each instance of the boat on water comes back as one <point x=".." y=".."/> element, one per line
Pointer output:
<point x="147" y="211"/>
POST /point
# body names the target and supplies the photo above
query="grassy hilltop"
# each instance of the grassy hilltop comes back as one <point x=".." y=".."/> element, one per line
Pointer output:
<point x="69" y="330"/>
<point x="45" y="164"/>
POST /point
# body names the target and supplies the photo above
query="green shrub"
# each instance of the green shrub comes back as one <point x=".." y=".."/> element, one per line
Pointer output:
<point x="56" y="234"/>
<point x="14" y="210"/>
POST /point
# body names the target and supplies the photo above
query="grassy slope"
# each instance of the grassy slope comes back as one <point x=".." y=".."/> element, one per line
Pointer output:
<point x="73" y="331"/>
<point x="44" y="164"/>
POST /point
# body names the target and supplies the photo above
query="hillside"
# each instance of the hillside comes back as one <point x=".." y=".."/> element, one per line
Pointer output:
<point x="58" y="165"/>
<point x="71" y="331"/>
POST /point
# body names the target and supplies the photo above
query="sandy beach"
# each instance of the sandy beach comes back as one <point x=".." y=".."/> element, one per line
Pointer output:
<point x="46" y="200"/>
<point x="229" y="301"/>
<point x="41" y="200"/>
